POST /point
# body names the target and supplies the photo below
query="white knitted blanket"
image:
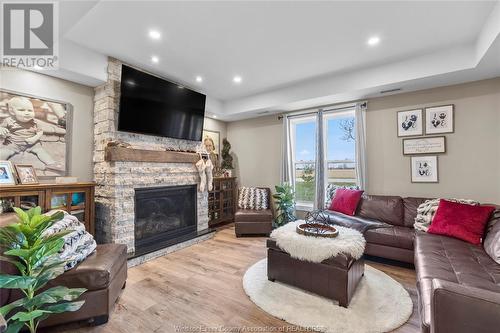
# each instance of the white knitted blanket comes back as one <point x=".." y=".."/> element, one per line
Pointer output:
<point x="316" y="249"/>
<point x="78" y="244"/>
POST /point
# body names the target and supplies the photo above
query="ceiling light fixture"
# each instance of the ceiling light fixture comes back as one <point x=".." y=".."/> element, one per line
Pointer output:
<point x="155" y="59"/>
<point x="199" y="79"/>
<point x="237" y="79"/>
<point x="154" y="34"/>
<point x="372" y="41"/>
<point x="215" y="116"/>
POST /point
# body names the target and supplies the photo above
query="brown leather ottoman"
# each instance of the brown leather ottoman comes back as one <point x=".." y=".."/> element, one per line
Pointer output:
<point x="335" y="278"/>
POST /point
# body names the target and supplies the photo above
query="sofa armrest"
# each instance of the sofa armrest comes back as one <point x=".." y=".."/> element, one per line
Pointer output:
<point x="457" y="308"/>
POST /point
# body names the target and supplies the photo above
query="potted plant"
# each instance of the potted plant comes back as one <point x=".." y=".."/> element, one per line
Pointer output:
<point x="35" y="256"/>
<point x="284" y="199"/>
<point x="227" y="159"/>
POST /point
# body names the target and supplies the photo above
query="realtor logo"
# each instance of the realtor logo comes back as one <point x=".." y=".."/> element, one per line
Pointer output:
<point x="29" y="35"/>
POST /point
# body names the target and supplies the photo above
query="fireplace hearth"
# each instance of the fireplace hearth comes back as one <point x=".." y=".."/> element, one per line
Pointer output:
<point x="164" y="216"/>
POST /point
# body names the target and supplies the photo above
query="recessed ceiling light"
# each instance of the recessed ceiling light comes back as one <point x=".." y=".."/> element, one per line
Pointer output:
<point x="372" y="41"/>
<point x="155" y="59"/>
<point x="154" y="34"/>
<point x="237" y="79"/>
<point x="215" y="116"/>
<point x="199" y="79"/>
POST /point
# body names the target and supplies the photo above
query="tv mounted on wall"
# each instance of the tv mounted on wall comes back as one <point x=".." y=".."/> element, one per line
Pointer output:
<point x="153" y="106"/>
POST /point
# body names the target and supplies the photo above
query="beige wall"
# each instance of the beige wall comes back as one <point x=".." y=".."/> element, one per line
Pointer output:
<point x="469" y="169"/>
<point x="256" y="145"/>
<point x="216" y="125"/>
<point x="79" y="96"/>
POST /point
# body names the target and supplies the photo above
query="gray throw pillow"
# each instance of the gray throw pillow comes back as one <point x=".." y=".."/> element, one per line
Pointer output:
<point x="492" y="240"/>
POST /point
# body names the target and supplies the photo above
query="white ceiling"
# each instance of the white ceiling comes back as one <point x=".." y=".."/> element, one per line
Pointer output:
<point x="290" y="54"/>
<point x="271" y="44"/>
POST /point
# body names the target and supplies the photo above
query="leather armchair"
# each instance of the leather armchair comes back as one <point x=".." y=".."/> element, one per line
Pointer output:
<point x="254" y="222"/>
<point x="460" y="309"/>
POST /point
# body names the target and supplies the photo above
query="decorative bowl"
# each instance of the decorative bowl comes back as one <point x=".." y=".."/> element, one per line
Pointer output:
<point x="317" y="230"/>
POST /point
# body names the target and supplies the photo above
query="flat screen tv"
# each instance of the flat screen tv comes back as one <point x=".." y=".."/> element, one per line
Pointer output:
<point x="153" y="106"/>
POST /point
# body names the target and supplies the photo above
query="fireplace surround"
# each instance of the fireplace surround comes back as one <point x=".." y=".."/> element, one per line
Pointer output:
<point x="118" y="180"/>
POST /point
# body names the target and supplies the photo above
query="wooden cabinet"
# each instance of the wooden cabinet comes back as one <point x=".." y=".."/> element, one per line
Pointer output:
<point x="222" y="201"/>
<point x="75" y="198"/>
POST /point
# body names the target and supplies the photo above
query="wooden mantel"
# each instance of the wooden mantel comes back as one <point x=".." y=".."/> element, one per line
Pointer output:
<point x="123" y="154"/>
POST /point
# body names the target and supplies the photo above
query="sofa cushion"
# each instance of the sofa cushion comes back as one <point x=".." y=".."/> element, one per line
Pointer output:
<point x="388" y="209"/>
<point x="400" y="237"/>
<point x="492" y="239"/>
<point x="410" y="206"/>
<point x="462" y="221"/>
<point x="456" y="261"/>
<point x="250" y="215"/>
<point x="97" y="271"/>
<point x="253" y="198"/>
<point x="346" y="201"/>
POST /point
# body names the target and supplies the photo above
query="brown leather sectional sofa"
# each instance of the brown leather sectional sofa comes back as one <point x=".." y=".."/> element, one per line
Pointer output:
<point x="458" y="283"/>
<point x="103" y="274"/>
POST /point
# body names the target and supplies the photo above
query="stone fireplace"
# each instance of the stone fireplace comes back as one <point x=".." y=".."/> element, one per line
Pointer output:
<point x="118" y="182"/>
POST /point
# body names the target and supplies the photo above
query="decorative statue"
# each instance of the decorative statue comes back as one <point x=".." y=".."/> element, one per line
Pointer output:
<point x="227" y="159"/>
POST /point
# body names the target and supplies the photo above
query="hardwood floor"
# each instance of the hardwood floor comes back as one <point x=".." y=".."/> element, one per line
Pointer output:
<point x="201" y="286"/>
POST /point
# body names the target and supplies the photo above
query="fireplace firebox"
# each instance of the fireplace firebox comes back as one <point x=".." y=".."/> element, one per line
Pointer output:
<point x="164" y="216"/>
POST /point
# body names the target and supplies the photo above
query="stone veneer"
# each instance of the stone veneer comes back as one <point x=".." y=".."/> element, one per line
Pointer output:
<point x="116" y="181"/>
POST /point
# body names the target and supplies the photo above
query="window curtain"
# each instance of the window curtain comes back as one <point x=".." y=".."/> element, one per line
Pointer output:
<point x="287" y="174"/>
<point x="361" y="172"/>
<point x="319" y="202"/>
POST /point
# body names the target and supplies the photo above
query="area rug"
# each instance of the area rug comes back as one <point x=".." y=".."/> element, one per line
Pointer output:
<point x="380" y="303"/>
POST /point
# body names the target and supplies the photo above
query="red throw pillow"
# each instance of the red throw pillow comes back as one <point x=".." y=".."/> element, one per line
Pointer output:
<point x="462" y="221"/>
<point x="346" y="201"/>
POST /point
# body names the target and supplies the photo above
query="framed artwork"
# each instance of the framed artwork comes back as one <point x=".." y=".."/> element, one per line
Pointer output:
<point x="424" y="169"/>
<point x="410" y="123"/>
<point x="425" y="145"/>
<point x="26" y="174"/>
<point x="7" y="175"/>
<point x="211" y="141"/>
<point x="35" y="131"/>
<point x="439" y="119"/>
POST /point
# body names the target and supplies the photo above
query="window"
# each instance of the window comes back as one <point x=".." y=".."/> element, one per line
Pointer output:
<point x="337" y="139"/>
<point x="303" y="134"/>
<point x="340" y="148"/>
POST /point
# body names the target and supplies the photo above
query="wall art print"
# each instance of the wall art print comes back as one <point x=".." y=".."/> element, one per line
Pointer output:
<point x="410" y="122"/>
<point x="35" y="131"/>
<point x="439" y="119"/>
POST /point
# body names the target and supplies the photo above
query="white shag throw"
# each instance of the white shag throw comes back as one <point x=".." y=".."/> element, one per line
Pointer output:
<point x="316" y="249"/>
<point x="78" y="244"/>
<point x="427" y="210"/>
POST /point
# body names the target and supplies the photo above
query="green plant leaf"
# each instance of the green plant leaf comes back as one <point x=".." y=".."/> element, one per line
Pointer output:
<point x="23" y="216"/>
<point x="14" y="326"/>
<point x="41" y="253"/>
<point x="64" y="307"/>
<point x="49" y="274"/>
<point x="27" y="316"/>
<point x="4" y="310"/>
<point x="16" y="282"/>
<point x="54" y="295"/>
<point x="21" y="267"/>
<point x="21" y="253"/>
